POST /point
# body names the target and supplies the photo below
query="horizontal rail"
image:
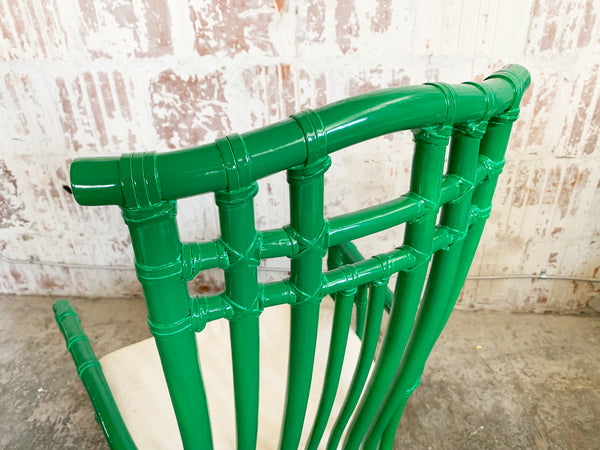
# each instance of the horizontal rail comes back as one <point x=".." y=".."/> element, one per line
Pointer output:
<point x="208" y="308"/>
<point x="344" y="228"/>
<point x="142" y="179"/>
<point x="351" y="255"/>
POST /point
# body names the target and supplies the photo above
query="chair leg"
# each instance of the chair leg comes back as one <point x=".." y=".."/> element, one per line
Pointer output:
<point x="387" y="440"/>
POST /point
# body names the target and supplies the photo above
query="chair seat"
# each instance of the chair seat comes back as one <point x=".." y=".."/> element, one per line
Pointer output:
<point x="135" y="376"/>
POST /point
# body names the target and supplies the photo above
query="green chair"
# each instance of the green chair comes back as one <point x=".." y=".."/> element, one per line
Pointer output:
<point x="277" y="364"/>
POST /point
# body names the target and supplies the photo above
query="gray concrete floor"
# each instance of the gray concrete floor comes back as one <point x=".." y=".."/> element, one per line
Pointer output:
<point x="494" y="380"/>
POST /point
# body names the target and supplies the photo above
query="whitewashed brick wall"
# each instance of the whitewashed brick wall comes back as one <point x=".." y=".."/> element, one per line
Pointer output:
<point x="91" y="77"/>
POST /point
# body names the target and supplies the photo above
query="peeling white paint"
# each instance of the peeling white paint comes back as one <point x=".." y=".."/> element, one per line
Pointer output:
<point x="92" y="81"/>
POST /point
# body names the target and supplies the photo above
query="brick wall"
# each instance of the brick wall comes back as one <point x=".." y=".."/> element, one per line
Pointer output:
<point x="90" y="77"/>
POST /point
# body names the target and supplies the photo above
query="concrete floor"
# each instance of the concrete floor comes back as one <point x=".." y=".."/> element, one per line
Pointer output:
<point x="494" y="380"/>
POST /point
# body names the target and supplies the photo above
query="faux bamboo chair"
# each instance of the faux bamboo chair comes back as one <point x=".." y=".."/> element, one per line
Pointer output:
<point x="354" y="399"/>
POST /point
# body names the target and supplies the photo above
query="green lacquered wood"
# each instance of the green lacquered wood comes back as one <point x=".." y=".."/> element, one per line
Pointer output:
<point x="367" y="271"/>
<point x="438" y="306"/>
<point x="238" y="233"/>
<point x="173" y="175"/>
<point x="371" y="220"/>
<point x="463" y="159"/>
<point x="92" y="377"/>
<point x="351" y="255"/>
<point x="306" y="221"/>
<point x="337" y="348"/>
<point x="493" y="147"/>
<point x="157" y="248"/>
<point x="387" y="440"/>
<point x="361" y="310"/>
<point x="367" y="352"/>
<point x="334" y="257"/>
<point x="278" y="243"/>
<point x="144" y="184"/>
<point x="334" y="260"/>
<point x="426" y="180"/>
<point x="348" y="277"/>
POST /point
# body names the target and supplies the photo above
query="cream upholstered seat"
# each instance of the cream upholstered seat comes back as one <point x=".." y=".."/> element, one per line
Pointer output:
<point x="137" y="382"/>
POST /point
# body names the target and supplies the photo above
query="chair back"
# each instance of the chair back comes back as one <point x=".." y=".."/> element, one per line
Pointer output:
<point x="468" y="125"/>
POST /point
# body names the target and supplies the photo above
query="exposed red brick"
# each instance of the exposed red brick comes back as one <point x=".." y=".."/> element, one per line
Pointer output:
<point x="203" y="284"/>
<point x="272" y="93"/>
<point x="287" y="90"/>
<point x="383" y="16"/>
<point x="584" y="103"/>
<point x="315" y="20"/>
<point x="185" y="110"/>
<point x="564" y="198"/>
<point x="347" y="25"/>
<point x="11" y="206"/>
<point x="132" y="140"/>
<point x="550" y="29"/>
<point x="554" y="8"/>
<point x="84" y="118"/>
<point x="575" y="285"/>
<point x="544" y="101"/>
<point x="321" y="91"/>
<point x="11" y="82"/>
<point x="528" y="95"/>
<point x="18" y="277"/>
<point x="89" y="16"/>
<point x="46" y="281"/>
<point x="507" y="177"/>
<point x="16" y="14"/>
<point x="158" y="27"/>
<point x="569" y="23"/>
<point x="54" y="191"/>
<point x="6" y="34"/>
<point x="95" y="106"/>
<point x="252" y="81"/>
<point x="35" y="24"/>
<point x="585" y="31"/>
<point x="55" y="30"/>
<point x="109" y="104"/>
<point x="376" y="78"/>
<point x="123" y="13"/>
<point x="591" y="142"/>
<point x="551" y="188"/>
<point x="400" y="79"/>
<point x="122" y="95"/>
<point x="519" y="189"/>
<point x="312" y="90"/>
<point x="280" y="4"/>
<point x="146" y="27"/>
<point x="230" y="27"/>
<point x="365" y="81"/>
<point x="534" y="192"/>
<point x="263" y="82"/>
<point x="580" y="183"/>
<point x="67" y="119"/>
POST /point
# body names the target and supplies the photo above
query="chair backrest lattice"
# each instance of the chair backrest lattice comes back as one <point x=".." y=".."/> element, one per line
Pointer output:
<point x="469" y="123"/>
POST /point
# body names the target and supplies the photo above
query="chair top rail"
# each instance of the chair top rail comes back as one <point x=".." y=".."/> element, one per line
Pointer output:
<point x="143" y="179"/>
